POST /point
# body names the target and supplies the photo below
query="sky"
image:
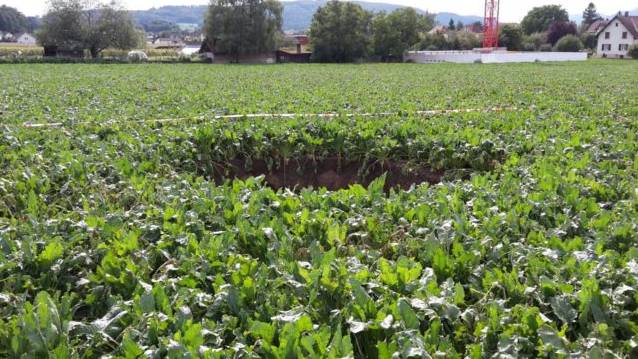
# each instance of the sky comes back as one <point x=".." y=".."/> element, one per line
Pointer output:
<point x="511" y="10"/>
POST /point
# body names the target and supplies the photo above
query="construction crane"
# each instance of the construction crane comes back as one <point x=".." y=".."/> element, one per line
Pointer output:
<point x="490" y="24"/>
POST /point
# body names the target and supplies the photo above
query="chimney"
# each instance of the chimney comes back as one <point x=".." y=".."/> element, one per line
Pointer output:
<point x="626" y="13"/>
<point x="298" y="48"/>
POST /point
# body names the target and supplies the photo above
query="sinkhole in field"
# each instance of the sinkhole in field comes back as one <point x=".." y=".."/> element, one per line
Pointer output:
<point x="331" y="173"/>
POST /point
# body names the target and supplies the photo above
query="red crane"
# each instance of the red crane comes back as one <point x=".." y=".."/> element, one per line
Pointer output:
<point x="490" y="25"/>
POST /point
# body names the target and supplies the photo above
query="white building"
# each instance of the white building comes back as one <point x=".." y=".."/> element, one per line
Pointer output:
<point x="615" y="39"/>
<point x="6" y="37"/>
<point x="26" y="39"/>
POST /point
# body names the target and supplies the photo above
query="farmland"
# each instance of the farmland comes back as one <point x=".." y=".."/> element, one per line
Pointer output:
<point x="125" y="236"/>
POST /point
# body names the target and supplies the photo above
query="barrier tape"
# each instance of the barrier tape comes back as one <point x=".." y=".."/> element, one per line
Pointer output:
<point x="328" y="115"/>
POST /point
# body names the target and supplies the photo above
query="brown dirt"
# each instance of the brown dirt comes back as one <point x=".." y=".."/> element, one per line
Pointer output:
<point x="327" y="173"/>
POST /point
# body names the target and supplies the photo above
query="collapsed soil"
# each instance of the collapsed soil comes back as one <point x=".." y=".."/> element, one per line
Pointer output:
<point x="330" y="173"/>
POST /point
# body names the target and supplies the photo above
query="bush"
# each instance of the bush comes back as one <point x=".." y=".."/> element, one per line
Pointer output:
<point x="633" y="52"/>
<point x="534" y="41"/>
<point x="511" y="36"/>
<point x="569" y="43"/>
<point x="560" y="29"/>
<point x="545" y="48"/>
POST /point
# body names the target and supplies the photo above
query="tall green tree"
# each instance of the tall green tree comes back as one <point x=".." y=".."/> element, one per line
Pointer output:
<point x="63" y="26"/>
<point x="396" y="32"/>
<point x="451" y="25"/>
<point x="109" y="26"/>
<point x="12" y="20"/>
<point x="511" y="37"/>
<point x="87" y="25"/>
<point x="539" y="19"/>
<point x="340" y="32"/>
<point x="242" y="27"/>
<point x="590" y="15"/>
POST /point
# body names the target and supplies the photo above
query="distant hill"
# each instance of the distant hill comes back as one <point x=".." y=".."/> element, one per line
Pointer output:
<point x="443" y="18"/>
<point x="170" y="15"/>
<point x="297" y="14"/>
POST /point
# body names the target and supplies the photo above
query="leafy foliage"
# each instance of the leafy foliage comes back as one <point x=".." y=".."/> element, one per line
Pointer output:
<point x="340" y="32"/>
<point x="12" y="20"/>
<point x="560" y="29"/>
<point x="511" y="37"/>
<point x="398" y="31"/>
<point x="590" y="15"/>
<point x="454" y="40"/>
<point x="569" y="43"/>
<point x="241" y="27"/>
<point x="114" y="243"/>
<point x="539" y="19"/>
<point x="86" y="25"/>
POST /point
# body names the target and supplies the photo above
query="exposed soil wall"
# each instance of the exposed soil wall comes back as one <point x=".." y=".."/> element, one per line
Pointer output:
<point x="330" y="173"/>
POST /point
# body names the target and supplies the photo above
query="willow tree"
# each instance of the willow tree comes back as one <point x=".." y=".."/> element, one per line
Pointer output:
<point x="340" y="32"/>
<point x="243" y="27"/>
<point x="398" y="31"/>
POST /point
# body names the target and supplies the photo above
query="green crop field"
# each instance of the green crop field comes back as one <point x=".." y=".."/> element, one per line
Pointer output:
<point x="138" y="220"/>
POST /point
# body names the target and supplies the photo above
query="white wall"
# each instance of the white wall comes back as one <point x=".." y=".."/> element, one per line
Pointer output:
<point x="615" y="39"/>
<point x="26" y="39"/>
<point x="468" y="57"/>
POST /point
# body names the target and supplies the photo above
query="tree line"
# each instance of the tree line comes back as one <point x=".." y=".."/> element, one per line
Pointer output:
<point x="13" y="21"/>
<point x="345" y="32"/>
<point x="340" y="31"/>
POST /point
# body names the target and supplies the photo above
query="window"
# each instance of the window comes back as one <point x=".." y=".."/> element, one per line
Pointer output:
<point x="607" y="35"/>
<point x="606" y="47"/>
<point x="623" y="47"/>
<point x="616" y="24"/>
<point x="624" y="35"/>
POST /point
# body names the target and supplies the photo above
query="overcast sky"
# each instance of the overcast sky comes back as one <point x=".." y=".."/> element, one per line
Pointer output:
<point x="511" y="10"/>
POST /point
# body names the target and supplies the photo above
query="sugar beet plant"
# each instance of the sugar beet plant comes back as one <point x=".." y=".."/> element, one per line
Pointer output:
<point x="116" y="242"/>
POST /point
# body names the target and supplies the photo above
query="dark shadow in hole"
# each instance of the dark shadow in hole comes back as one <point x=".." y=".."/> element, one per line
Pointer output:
<point x="331" y="173"/>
